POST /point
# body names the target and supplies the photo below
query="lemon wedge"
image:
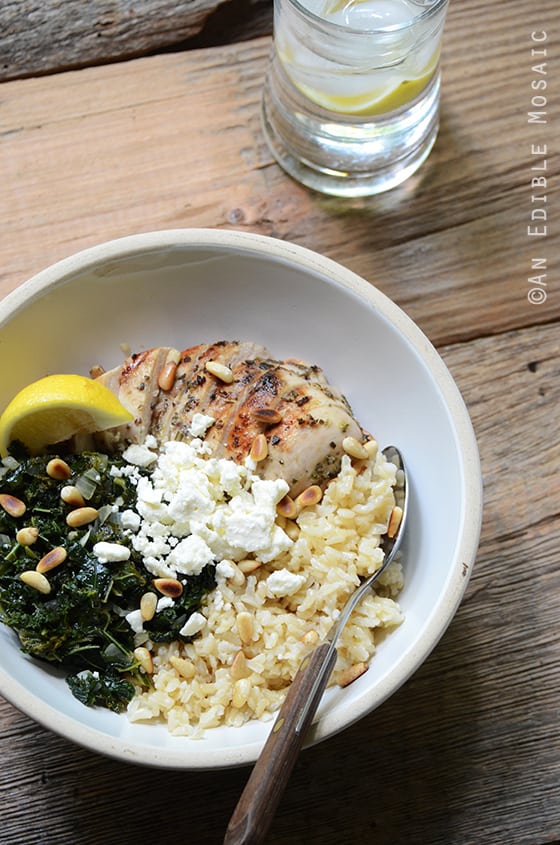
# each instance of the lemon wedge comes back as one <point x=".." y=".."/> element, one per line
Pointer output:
<point x="56" y="407"/>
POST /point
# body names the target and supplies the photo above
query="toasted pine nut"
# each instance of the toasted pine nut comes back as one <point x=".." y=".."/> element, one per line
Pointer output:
<point x="259" y="448"/>
<point x="292" y="530"/>
<point x="96" y="371"/>
<point x="270" y="416"/>
<point x="144" y="658"/>
<point x="52" y="559"/>
<point x="36" y="580"/>
<point x="168" y="587"/>
<point x="371" y="447"/>
<point x="81" y="516"/>
<point x="222" y="372"/>
<point x="166" y="378"/>
<point x="310" y="496"/>
<point x="27" y="536"/>
<point x="58" y="469"/>
<point x="148" y="604"/>
<point x="248" y="565"/>
<point x="287" y="507"/>
<point x="394" y="521"/>
<point x="239" y="668"/>
<point x="354" y="448"/>
<point x="238" y="578"/>
<point x="245" y="626"/>
<point x="72" y="496"/>
<point x="310" y="637"/>
<point x="13" y="506"/>
<point x="173" y="357"/>
<point x="240" y="692"/>
<point x="349" y="675"/>
<point x="184" y="667"/>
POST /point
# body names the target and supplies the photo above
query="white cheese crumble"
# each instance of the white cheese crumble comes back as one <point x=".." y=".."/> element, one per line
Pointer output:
<point x="135" y="620"/>
<point x="163" y="603"/>
<point x="110" y="552"/>
<point x="194" y="624"/>
<point x="139" y="455"/>
<point x="130" y="520"/>
<point x="194" y="510"/>
<point x="200" y="424"/>
<point x="225" y="569"/>
<point x="283" y="583"/>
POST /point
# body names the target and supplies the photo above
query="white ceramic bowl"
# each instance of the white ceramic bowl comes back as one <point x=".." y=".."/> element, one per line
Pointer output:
<point x="182" y="287"/>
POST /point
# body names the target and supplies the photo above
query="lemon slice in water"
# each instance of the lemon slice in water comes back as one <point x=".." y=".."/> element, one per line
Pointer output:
<point x="370" y="102"/>
<point x="57" y="407"/>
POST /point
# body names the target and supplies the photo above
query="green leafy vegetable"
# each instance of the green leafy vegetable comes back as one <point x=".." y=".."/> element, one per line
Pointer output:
<point x="80" y="624"/>
<point x="109" y="690"/>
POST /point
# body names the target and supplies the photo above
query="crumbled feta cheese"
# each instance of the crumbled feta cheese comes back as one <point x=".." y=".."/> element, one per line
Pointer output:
<point x="130" y="520"/>
<point x="163" y="603"/>
<point x="152" y="546"/>
<point x="195" y="510"/>
<point x="135" y="620"/>
<point x="190" y="555"/>
<point x="140" y="456"/>
<point x="148" y="497"/>
<point x="225" y="569"/>
<point x="194" y="624"/>
<point x="282" y="583"/>
<point x="200" y="424"/>
<point x="110" y="552"/>
<point x="130" y="472"/>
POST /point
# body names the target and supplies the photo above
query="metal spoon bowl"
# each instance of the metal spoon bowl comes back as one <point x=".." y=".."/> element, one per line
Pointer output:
<point x="255" y="810"/>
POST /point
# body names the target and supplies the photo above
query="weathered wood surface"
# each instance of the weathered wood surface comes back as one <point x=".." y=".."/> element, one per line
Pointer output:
<point x="468" y="752"/>
<point x="42" y="36"/>
<point x="175" y="140"/>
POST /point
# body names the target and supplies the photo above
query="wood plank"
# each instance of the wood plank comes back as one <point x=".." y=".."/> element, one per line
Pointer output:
<point x="466" y="753"/>
<point x="175" y="141"/>
<point x="45" y="36"/>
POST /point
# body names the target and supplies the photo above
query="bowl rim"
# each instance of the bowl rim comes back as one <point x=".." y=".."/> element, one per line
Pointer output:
<point x="471" y="518"/>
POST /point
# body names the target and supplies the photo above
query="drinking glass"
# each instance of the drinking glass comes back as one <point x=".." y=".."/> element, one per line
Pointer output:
<point x="351" y="97"/>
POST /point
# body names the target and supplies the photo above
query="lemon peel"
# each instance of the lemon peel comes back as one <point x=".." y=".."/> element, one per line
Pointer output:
<point x="373" y="102"/>
<point x="57" y="407"/>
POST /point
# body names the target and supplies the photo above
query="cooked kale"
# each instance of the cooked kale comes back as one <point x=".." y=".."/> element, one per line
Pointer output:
<point x="80" y="624"/>
<point x="110" y="689"/>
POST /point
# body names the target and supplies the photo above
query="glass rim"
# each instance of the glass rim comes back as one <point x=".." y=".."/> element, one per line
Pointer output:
<point x="381" y="30"/>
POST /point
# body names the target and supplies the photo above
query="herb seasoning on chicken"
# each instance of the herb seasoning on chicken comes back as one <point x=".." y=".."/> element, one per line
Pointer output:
<point x="285" y="411"/>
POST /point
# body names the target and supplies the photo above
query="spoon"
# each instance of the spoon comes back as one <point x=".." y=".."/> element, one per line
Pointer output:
<point x="255" y="810"/>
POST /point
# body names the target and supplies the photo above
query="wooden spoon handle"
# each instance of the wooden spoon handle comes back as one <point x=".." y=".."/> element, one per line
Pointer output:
<point x="255" y="810"/>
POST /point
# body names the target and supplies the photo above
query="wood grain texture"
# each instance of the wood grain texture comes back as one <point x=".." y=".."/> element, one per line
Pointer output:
<point x="45" y="36"/>
<point x="112" y="150"/>
<point x="255" y="811"/>
<point x="466" y="753"/>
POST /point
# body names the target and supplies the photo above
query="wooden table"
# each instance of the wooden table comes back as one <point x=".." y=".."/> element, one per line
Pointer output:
<point x="467" y="752"/>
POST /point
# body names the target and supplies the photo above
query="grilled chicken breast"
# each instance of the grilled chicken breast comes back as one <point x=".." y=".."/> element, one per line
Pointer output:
<point x="247" y="393"/>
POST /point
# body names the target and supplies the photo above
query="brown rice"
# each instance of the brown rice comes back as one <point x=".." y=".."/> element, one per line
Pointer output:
<point x="252" y="643"/>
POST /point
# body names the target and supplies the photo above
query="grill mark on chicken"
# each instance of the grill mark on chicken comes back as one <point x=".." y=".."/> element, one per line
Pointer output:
<point x="165" y="413"/>
<point x="226" y="406"/>
<point x="304" y="445"/>
<point x="136" y="384"/>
